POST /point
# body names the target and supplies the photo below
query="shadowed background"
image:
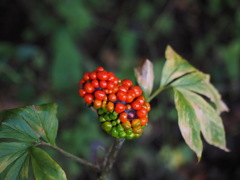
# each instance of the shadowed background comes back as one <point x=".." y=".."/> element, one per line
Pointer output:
<point x="46" y="46"/>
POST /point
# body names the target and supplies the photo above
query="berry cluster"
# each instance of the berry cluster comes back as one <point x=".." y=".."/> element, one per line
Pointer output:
<point x="121" y="108"/>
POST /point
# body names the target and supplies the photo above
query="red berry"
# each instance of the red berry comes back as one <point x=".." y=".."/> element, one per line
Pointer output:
<point x="137" y="90"/>
<point x="142" y="113"/>
<point x="95" y="83"/>
<point x="103" y="84"/>
<point x="102" y="75"/>
<point x="127" y="83"/>
<point x="119" y="107"/>
<point x="111" y="76"/>
<point x="88" y="98"/>
<point x="99" y="95"/>
<point x="115" y="89"/>
<point x="136" y="105"/>
<point x="88" y="87"/>
<point x="99" y="69"/>
<point x="93" y="75"/>
<point x="112" y="97"/>
<point x="130" y="91"/>
<point x="86" y="76"/>
<point x="123" y="117"/>
<point x="115" y="81"/>
<point x="121" y="96"/>
<point x="82" y="81"/>
<point x="141" y="100"/>
<point x="144" y="121"/>
<point x="110" y="85"/>
<point x="130" y="98"/>
<point x="81" y="92"/>
<point x="123" y="88"/>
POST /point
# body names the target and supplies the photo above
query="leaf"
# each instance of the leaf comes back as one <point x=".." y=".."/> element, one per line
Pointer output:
<point x="14" y="160"/>
<point x="199" y="82"/>
<point x="196" y="114"/>
<point x="44" y="167"/>
<point x="15" y="171"/>
<point x="30" y="123"/>
<point x="188" y="123"/>
<point x="145" y="77"/>
<point x="175" y="67"/>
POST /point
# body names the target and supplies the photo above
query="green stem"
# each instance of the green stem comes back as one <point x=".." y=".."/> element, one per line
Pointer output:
<point x="110" y="158"/>
<point x="71" y="156"/>
<point x="156" y="93"/>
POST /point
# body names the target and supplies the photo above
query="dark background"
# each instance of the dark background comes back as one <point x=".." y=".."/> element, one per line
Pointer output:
<point x="46" y="46"/>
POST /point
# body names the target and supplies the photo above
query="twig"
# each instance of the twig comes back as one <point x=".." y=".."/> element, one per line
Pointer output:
<point x="110" y="158"/>
<point x="156" y="93"/>
<point x="75" y="158"/>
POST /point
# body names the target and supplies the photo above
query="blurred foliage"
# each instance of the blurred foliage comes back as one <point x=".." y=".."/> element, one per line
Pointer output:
<point x="45" y="46"/>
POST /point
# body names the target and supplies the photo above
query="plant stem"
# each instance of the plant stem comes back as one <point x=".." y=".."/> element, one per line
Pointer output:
<point x="110" y="158"/>
<point x="71" y="156"/>
<point x="156" y="93"/>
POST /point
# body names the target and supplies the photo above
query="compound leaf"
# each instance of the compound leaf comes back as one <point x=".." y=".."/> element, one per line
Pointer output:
<point x="197" y="101"/>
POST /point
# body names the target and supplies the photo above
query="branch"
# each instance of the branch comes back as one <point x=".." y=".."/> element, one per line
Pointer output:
<point x="71" y="156"/>
<point x="110" y="158"/>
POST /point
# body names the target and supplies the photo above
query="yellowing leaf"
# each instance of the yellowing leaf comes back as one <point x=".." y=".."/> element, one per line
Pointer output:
<point x="196" y="114"/>
<point x="174" y="67"/>
<point x="145" y="77"/>
<point x="199" y="82"/>
<point x="188" y="123"/>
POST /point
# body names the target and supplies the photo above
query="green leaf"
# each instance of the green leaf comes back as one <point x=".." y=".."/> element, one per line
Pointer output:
<point x="14" y="160"/>
<point x="145" y="77"/>
<point x="44" y="167"/>
<point x="30" y="123"/>
<point x="193" y="93"/>
<point x="15" y="170"/>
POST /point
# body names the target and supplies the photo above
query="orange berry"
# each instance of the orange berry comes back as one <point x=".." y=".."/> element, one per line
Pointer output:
<point x="97" y="103"/>
<point x="110" y="106"/>
<point x="144" y="121"/>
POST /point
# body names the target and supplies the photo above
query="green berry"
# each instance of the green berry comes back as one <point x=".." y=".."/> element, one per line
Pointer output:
<point x="137" y="135"/>
<point x="106" y="116"/>
<point x="114" y="132"/>
<point x="118" y="121"/>
<point x="122" y="134"/>
<point x="112" y="116"/>
<point x="129" y="131"/>
<point x="114" y="123"/>
<point x="102" y="119"/>
<point x="107" y="126"/>
<point x="100" y="111"/>
<point x="105" y="110"/>
<point x="115" y="113"/>
<point x="129" y="136"/>
<point x="120" y="128"/>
